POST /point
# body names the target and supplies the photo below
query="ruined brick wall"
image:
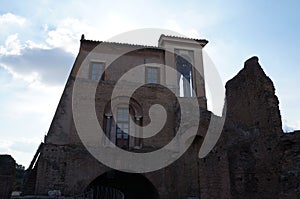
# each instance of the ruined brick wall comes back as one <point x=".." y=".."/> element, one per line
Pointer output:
<point x="66" y="168"/>
<point x="290" y="172"/>
<point x="254" y="152"/>
<point x="7" y="175"/>
<point x="246" y="161"/>
<point x="251" y="100"/>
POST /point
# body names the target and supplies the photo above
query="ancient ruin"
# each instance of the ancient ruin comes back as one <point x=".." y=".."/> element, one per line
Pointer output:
<point x="7" y="175"/>
<point x="252" y="159"/>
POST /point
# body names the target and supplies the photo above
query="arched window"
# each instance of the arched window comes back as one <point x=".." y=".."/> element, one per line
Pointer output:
<point x="185" y="77"/>
<point x="122" y="127"/>
<point x="117" y="128"/>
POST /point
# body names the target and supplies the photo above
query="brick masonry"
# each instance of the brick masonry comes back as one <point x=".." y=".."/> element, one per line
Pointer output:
<point x="7" y="175"/>
<point x="252" y="159"/>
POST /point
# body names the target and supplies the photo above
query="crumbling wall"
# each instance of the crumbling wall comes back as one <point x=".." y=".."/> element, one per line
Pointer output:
<point x="253" y="129"/>
<point x="246" y="163"/>
<point x="290" y="172"/>
<point x="7" y="175"/>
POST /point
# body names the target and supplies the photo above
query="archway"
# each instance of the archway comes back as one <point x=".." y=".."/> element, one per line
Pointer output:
<point x="132" y="185"/>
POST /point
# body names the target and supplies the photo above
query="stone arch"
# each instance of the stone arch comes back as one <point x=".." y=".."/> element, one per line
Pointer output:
<point x="136" y="107"/>
<point x="132" y="185"/>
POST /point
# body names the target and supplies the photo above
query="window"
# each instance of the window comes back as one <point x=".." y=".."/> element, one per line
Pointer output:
<point x="184" y="78"/>
<point x="107" y="124"/>
<point x="152" y="75"/>
<point x="96" y="70"/>
<point x="122" y="139"/>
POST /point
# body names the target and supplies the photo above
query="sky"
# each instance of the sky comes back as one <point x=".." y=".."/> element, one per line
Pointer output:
<point x="39" y="41"/>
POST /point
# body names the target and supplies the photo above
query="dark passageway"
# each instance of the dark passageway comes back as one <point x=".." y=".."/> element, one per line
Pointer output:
<point x="133" y="186"/>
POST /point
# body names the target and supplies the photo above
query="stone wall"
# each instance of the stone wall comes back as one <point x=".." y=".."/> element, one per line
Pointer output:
<point x="70" y="168"/>
<point x="253" y="143"/>
<point x="290" y="172"/>
<point x="7" y="176"/>
<point x="252" y="159"/>
<point x="246" y="161"/>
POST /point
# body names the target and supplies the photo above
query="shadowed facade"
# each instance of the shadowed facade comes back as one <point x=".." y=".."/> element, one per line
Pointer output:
<point x="252" y="159"/>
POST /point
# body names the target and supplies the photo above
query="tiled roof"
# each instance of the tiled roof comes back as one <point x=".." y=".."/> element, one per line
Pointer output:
<point x="203" y="41"/>
<point x="117" y="43"/>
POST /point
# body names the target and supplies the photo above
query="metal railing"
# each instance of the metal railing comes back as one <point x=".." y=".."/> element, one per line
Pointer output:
<point x="101" y="193"/>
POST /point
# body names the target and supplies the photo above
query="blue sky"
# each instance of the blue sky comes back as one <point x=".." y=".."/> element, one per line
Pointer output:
<point x="39" y="41"/>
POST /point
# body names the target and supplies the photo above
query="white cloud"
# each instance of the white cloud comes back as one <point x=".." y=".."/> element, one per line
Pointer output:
<point x="297" y="125"/>
<point x="45" y="27"/>
<point x="176" y="27"/>
<point x="5" y="145"/>
<point x="32" y="107"/>
<point x="63" y="38"/>
<point x="67" y="34"/>
<point x="35" y="62"/>
<point x="36" y="99"/>
<point x="9" y="18"/>
<point x="68" y="31"/>
<point x="31" y="44"/>
<point x="33" y="74"/>
<point x="31" y="78"/>
<point x="12" y="46"/>
<point x="290" y="126"/>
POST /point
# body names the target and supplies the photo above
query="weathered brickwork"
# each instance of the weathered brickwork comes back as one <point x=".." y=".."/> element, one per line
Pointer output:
<point x="7" y="175"/>
<point x="290" y="174"/>
<point x="252" y="159"/>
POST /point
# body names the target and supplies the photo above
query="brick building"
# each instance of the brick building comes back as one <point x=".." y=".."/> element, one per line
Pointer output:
<point x="63" y="162"/>
<point x="245" y="163"/>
